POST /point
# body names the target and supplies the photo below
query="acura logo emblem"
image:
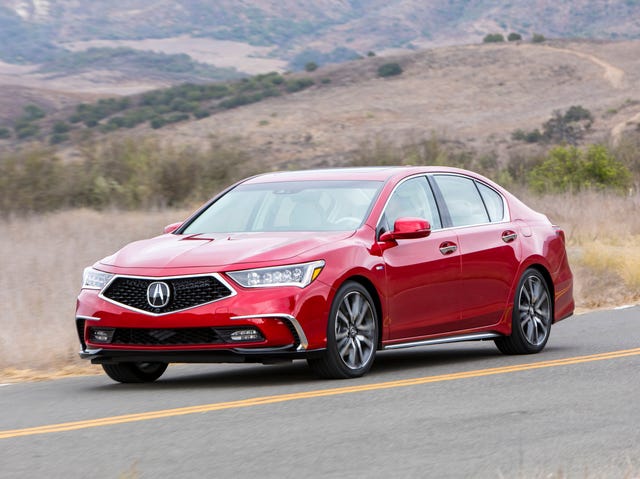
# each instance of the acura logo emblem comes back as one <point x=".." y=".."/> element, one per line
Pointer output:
<point x="158" y="294"/>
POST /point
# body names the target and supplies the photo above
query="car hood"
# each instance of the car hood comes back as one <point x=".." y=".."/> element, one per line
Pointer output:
<point x="218" y="250"/>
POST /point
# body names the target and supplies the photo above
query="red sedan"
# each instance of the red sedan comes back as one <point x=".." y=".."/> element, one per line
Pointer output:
<point x="330" y="266"/>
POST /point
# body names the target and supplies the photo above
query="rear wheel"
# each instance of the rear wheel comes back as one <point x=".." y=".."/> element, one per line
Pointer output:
<point x="352" y="335"/>
<point x="135" y="372"/>
<point x="531" y="318"/>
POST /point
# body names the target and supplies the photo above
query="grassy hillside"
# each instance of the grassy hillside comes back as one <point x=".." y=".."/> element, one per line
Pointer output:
<point x="482" y="98"/>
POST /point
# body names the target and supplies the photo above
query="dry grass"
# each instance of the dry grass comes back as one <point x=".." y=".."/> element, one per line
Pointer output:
<point x="603" y="235"/>
<point x="42" y="262"/>
<point x="43" y="257"/>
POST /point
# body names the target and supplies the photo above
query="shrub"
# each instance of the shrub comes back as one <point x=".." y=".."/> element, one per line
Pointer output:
<point x="389" y="69"/>
<point x="27" y="130"/>
<point x="514" y="37"/>
<point x="33" y="112"/>
<point x="60" y="127"/>
<point x="533" y="136"/>
<point x="493" y="38"/>
<point x="157" y="122"/>
<point x="298" y="84"/>
<point x="199" y="114"/>
<point x="572" y="169"/>
<point x="311" y="66"/>
<point x="5" y="133"/>
<point x="58" y="138"/>
<point x="538" y="38"/>
<point x="371" y="54"/>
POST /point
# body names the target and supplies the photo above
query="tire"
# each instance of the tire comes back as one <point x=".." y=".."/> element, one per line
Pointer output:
<point x="352" y="335"/>
<point x="135" y="372"/>
<point x="531" y="318"/>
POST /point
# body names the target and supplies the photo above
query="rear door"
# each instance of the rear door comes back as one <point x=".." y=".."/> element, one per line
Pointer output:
<point x="489" y="248"/>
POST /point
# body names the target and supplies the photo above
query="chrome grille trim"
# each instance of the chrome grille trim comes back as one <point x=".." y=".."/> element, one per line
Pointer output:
<point x="218" y="277"/>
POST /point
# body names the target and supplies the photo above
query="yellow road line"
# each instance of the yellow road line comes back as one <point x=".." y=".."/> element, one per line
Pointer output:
<point x="259" y="401"/>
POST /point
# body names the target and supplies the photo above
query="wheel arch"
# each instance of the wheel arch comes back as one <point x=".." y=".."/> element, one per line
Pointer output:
<point x="371" y="289"/>
<point x="549" y="280"/>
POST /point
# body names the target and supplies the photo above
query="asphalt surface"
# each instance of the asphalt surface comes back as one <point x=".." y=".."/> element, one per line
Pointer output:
<point x="461" y="410"/>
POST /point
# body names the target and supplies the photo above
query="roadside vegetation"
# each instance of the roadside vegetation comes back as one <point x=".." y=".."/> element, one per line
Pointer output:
<point x="79" y="211"/>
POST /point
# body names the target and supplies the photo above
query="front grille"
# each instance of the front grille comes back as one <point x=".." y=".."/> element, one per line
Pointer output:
<point x="185" y="293"/>
<point x="165" y="337"/>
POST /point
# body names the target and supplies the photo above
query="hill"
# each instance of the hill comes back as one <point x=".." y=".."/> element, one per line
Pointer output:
<point x="33" y="30"/>
<point x="474" y="96"/>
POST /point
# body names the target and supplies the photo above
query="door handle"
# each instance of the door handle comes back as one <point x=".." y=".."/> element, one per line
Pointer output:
<point x="448" y="247"/>
<point x="508" y="236"/>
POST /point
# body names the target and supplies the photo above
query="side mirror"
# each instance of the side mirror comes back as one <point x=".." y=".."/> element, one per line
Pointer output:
<point x="407" y="228"/>
<point x="172" y="227"/>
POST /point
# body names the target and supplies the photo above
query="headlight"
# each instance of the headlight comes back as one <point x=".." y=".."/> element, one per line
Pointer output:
<point x="299" y="275"/>
<point x="94" y="279"/>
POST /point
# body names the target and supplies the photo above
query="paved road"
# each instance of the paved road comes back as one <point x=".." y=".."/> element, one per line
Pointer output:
<point x="446" y="411"/>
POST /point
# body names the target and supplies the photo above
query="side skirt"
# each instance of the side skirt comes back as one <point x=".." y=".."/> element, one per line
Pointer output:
<point x="448" y="339"/>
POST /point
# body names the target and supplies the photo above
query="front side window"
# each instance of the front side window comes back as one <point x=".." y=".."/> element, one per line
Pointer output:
<point x="462" y="199"/>
<point x="288" y="206"/>
<point x="413" y="198"/>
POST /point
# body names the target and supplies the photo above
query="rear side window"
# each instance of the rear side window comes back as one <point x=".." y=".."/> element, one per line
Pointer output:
<point x="462" y="199"/>
<point x="493" y="202"/>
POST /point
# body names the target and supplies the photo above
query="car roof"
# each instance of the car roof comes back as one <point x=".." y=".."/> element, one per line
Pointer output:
<point x="382" y="173"/>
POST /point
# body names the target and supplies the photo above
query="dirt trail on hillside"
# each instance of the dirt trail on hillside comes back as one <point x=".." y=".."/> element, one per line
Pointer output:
<point x="616" y="131"/>
<point x="613" y="74"/>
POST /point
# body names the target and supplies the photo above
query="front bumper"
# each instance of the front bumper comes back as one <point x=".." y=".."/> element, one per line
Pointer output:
<point x="235" y="355"/>
<point x="291" y="321"/>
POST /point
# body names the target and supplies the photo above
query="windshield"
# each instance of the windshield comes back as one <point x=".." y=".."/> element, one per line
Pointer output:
<point x="288" y="206"/>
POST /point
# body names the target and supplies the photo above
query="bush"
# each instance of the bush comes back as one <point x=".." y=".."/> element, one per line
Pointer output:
<point x="389" y="69"/>
<point x="514" y="37"/>
<point x="311" y="66"/>
<point x="572" y="169"/>
<point x="533" y="136"/>
<point x="60" y="127"/>
<point x="58" y="138"/>
<point x="371" y="54"/>
<point x="493" y="38"/>
<point x="33" y="112"/>
<point x="568" y="127"/>
<point x="298" y="84"/>
<point x="27" y="130"/>
<point x="157" y="122"/>
<point x="538" y="38"/>
<point x="5" y="133"/>
<point x="199" y="114"/>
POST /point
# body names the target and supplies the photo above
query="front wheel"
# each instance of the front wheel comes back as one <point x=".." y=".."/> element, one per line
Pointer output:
<point x="135" y="372"/>
<point x="352" y="335"/>
<point x="532" y="316"/>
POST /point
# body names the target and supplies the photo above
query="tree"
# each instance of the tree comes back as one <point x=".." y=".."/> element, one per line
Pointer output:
<point x="514" y="37"/>
<point x="311" y="66"/>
